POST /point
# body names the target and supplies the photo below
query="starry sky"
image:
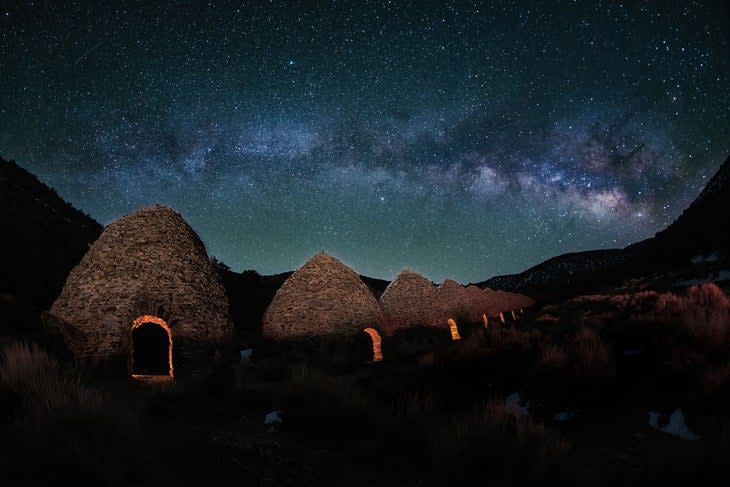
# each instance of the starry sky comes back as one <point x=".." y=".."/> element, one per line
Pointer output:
<point x="458" y="139"/>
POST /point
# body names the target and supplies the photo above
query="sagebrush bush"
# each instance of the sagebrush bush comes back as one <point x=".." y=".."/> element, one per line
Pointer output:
<point x="333" y="405"/>
<point x="45" y="388"/>
<point x="704" y="311"/>
<point x="61" y="426"/>
<point x="490" y="445"/>
<point x="592" y="357"/>
<point x="716" y="378"/>
<point x="415" y="405"/>
<point x="501" y="338"/>
<point x="552" y="356"/>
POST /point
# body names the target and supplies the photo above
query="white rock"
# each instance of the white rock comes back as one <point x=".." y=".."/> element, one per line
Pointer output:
<point x="246" y="356"/>
<point x="654" y="419"/>
<point x="563" y="416"/>
<point x="678" y="427"/>
<point x="512" y="405"/>
<point x="273" y="418"/>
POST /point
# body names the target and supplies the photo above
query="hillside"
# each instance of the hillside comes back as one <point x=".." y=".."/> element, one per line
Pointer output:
<point x="43" y="237"/>
<point x="698" y="235"/>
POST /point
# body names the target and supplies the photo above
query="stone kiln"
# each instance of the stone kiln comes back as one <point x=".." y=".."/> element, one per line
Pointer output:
<point x="323" y="297"/>
<point x="148" y="274"/>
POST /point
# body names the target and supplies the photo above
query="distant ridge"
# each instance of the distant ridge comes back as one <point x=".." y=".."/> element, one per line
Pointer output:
<point x="42" y="237"/>
<point x="703" y="229"/>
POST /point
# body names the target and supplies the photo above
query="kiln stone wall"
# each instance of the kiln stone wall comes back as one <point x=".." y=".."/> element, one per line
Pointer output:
<point x="149" y="262"/>
<point x="505" y="301"/>
<point x="410" y="300"/>
<point x="451" y="301"/>
<point x="322" y="297"/>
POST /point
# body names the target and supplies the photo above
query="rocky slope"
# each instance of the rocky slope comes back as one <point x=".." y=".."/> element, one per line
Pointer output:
<point x="42" y="238"/>
<point x="700" y="233"/>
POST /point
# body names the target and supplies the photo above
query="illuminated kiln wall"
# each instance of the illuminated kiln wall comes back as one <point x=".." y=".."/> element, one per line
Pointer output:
<point x="505" y="301"/>
<point x="412" y="300"/>
<point x="147" y="263"/>
<point x="377" y="343"/>
<point x="409" y="300"/>
<point x="322" y="297"/>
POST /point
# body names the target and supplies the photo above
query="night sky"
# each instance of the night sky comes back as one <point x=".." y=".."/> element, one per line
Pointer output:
<point x="460" y="140"/>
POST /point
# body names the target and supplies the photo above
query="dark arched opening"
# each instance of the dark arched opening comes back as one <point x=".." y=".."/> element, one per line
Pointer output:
<point x="368" y="346"/>
<point x="151" y="347"/>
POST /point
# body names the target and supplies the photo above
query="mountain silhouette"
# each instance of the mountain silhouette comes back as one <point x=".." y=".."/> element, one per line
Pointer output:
<point x="43" y="238"/>
<point x="701" y="232"/>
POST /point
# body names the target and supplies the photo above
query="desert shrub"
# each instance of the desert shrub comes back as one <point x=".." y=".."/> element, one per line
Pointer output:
<point x="329" y="403"/>
<point x="330" y="409"/>
<point x="46" y="390"/>
<point x="61" y="426"/>
<point x="681" y="462"/>
<point x="552" y="356"/>
<point x="547" y="319"/>
<point x="592" y="356"/>
<point x="427" y="359"/>
<point x="704" y="311"/>
<point x="716" y="378"/>
<point x="490" y="445"/>
<point x="415" y="405"/>
<point x="511" y="338"/>
<point x="409" y="343"/>
<point x="474" y="346"/>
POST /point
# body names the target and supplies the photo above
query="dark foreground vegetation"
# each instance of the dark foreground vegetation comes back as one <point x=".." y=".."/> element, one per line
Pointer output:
<point x="564" y="395"/>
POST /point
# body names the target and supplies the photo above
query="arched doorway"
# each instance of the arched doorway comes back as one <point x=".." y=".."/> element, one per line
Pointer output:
<point x="377" y="344"/>
<point x="151" y="347"/>
<point x="454" y="330"/>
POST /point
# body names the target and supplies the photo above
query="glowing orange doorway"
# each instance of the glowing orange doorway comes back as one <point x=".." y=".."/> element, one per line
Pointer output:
<point x="143" y="328"/>
<point x="454" y="330"/>
<point x="377" y="344"/>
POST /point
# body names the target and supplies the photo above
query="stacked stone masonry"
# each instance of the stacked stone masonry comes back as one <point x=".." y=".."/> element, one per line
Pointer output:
<point x="322" y="297"/>
<point x="149" y="262"/>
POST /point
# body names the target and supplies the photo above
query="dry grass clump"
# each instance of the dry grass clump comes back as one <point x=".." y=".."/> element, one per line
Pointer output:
<point x="716" y="378"/>
<point x="510" y="338"/>
<point x="61" y="426"/>
<point x="496" y="341"/>
<point x="415" y="405"/>
<point x="46" y="390"/>
<point x="490" y="445"/>
<point x="704" y="311"/>
<point x="592" y="356"/>
<point x="552" y="356"/>
<point x="336" y="407"/>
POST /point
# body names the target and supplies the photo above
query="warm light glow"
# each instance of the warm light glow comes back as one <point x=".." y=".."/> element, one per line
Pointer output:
<point x="501" y="318"/>
<point x="514" y="315"/>
<point x="454" y="330"/>
<point x="485" y="320"/>
<point x="157" y="321"/>
<point x="377" y="344"/>
<point x="152" y="379"/>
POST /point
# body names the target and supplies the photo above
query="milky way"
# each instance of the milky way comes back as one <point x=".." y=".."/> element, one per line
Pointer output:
<point x="459" y="140"/>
